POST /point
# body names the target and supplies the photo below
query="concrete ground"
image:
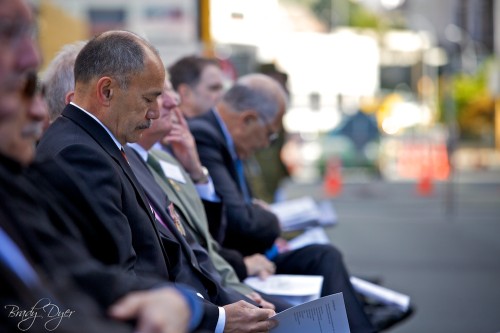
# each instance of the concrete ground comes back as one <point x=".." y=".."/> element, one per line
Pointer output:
<point x="442" y="249"/>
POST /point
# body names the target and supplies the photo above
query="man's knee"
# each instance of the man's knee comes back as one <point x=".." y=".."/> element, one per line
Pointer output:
<point x="327" y="253"/>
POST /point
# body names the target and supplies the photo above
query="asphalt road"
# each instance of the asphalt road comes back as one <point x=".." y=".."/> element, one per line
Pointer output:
<point x="442" y="249"/>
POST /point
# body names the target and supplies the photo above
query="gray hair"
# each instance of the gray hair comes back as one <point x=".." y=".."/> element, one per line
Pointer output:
<point x="59" y="79"/>
<point x="242" y="97"/>
<point x="118" y="54"/>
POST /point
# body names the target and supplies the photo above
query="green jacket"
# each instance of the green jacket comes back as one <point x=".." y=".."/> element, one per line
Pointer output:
<point x="185" y="198"/>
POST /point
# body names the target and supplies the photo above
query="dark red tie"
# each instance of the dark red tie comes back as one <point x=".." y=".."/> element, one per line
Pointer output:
<point x="123" y="154"/>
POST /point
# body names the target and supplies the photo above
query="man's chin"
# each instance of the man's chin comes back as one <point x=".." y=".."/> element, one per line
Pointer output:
<point x="24" y="155"/>
<point x="136" y="136"/>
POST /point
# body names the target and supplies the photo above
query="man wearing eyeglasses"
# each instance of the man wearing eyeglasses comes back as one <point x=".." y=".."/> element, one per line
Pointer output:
<point x="243" y="122"/>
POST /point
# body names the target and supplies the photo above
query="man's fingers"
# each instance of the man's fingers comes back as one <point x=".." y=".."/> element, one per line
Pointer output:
<point x="180" y="117"/>
<point x="127" y="307"/>
<point x="272" y="323"/>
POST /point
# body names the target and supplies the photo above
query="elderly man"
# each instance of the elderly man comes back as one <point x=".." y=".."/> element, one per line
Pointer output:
<point x="59" y="81"/>
<point x="166" y="176"/>
<point x="244" y="121"/>
<point x="38" y="265"/>
<point x="118" y="78"/>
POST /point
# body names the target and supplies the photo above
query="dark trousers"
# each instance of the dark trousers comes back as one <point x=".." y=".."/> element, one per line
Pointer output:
<point x="326" y="260"/>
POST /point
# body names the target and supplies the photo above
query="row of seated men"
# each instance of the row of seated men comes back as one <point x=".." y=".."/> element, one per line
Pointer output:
<point x="112" y="200"/>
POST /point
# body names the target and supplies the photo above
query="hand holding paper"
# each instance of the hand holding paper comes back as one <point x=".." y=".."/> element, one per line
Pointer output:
<point x="326" y="314"/>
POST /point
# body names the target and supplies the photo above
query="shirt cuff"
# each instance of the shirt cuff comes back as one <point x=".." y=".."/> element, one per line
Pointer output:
<point x="221" y="323"/>
<point x="272" y="252"/>
<point x="207" y="191"/>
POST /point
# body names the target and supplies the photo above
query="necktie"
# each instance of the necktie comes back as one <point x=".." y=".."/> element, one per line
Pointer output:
<point x="241" y="179"/>
<point x="155" y="164"/>
<point x="123" y="154"/>
<point x="12" y="256"/>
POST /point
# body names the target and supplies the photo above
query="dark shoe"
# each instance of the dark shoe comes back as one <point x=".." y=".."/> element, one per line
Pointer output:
<point x="385" y="316"/>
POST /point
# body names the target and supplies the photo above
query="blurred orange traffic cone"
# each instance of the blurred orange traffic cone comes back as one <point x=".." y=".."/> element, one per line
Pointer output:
<point x="332" y="184"/>
<point x="424" y="185"/>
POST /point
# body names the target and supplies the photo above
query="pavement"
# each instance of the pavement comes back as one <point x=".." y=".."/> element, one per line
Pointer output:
<point x="442" y="248"/>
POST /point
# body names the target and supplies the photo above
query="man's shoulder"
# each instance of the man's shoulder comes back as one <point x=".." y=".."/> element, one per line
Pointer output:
<point x="67" y="140"/>
<point x="61" y="133"/>
<point x="206" y="130"/>
<point x="200" y="124"/>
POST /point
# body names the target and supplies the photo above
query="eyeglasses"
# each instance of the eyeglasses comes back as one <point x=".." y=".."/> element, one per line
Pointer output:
<point x="271" y="134"/>
<point x="32" y="85"/>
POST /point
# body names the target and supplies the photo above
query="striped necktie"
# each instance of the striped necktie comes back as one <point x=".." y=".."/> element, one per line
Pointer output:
<point x="155" y="164"/>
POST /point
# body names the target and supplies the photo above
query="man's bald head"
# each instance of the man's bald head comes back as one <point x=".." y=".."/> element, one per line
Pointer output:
<point x="268" y="86"/>
<point x="252" y="111"/>
<point x="258" y="92"/>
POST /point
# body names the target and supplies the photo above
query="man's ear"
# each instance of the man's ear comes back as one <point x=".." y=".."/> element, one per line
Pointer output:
<point x="249" y="117"/>
<point x="183" y="90"/>
<point x="69" y="97"/>
<point x="105" y="90"/>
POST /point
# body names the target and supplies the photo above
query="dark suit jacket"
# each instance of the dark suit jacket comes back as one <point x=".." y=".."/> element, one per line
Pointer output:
<point x="194" y="266"/>
<point x="250" y="228"/>
<point x="46" y="221"/>
<point x="78" y="141"/>
<point x="254" y="229"/>
<point x="65" y="273"/>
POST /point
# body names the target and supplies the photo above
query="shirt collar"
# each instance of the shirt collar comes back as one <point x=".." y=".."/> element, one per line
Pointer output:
<point x="140" y="150"/>
<point x="117" y="143"/>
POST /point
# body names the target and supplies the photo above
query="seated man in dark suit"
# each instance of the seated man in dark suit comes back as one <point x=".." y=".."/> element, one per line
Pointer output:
<point x="33" y="255"/>
<point x="199" y="84"/>
<point x="245" y="119"/>
<point x="58" y="81"/>
<point x="153" y="176"/>
<point x="118" y="78"/>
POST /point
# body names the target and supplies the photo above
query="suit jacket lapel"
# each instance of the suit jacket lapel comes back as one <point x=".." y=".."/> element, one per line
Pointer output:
<point x="177" y="193"/>
<point x="100" y="135"/>
<point x="160" y="202"/>
<point x="211" y="118"/>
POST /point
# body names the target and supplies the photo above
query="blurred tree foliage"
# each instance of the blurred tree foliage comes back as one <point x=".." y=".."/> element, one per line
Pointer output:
<point x="474" y="104"/>
<point x="359" y="15"/>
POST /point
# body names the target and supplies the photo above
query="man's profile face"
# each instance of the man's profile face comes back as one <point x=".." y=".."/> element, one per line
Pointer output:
<point x="135" y="107"/>
<point x="252" y="136"/>
<point x="209" y="90"/>
<point x="167" y="102"/>
<point x="20" y="118"/>
<point x="20" y="130"/>
<point x="18" y="52"/>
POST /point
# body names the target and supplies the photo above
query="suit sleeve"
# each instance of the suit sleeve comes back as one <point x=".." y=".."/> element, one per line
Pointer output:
<point x="57" y="243"/>
<point x="250" y="228"/>
<point x="235" y="259"/>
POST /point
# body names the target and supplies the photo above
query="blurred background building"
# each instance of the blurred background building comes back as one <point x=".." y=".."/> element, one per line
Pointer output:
<point x="423" y="71"/>
<point x="394" y="117"/>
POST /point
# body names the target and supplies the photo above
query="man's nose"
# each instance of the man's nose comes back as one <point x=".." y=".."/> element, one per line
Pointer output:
<point x="28" y="55"/>
<point x="153" y="113"/>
